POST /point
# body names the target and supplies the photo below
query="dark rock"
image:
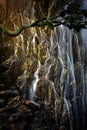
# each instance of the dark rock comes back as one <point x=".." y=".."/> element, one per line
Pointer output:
<point x="2" y="103"/>
<point x="31" y="105"/>
<point x="3" y="109"/>
<point x="2" y="87"/>
<point x="42" y="120"/>
<point x="62" y="127"/>
<point x="8" y="94"/>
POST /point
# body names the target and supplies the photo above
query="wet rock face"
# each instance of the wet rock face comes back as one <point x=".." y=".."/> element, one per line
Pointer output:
<point x="17" y="113"/>
<point x="47" y="8"/>
<point x="42" y="8"/>
<point x="24" y="114"/>
<point x="32" y="45"/>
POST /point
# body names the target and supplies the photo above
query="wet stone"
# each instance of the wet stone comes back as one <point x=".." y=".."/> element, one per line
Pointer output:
<point x="7" y="94"/>
<point x="62" y="128"/>
<point x="2" y="87"/>
<point x="2" y="103"/>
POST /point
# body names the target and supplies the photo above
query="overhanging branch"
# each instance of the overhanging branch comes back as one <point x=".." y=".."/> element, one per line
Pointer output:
<point x="18" y="31"/>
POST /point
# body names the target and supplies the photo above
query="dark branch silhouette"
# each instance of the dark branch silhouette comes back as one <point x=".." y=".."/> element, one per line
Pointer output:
<point x="72" y="17"/>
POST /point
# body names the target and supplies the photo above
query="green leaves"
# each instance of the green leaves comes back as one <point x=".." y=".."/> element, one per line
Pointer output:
<point x="43" y="23"/>
<point x="71" y="16"/>
<point x="73" y="7"/>
<point x="50" y="25"/>
<point x="84" y="12"/>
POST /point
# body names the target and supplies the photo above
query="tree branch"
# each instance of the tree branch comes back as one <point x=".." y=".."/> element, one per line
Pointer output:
<point x="18" y="31"/>
<point x="72" y="17"/>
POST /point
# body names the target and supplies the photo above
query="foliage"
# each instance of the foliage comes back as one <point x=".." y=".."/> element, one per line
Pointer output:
<point x="74" y="17"/>
<point x="71" y="16"/>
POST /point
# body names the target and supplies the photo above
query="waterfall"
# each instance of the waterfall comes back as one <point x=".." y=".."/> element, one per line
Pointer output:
<point x="52" y="69"/>
<point x="34" y="83"/>
<point x="73" y="81"/>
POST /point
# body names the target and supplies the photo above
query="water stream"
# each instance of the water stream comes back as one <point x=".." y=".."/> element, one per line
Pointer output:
<point x="60" y="71"/>
<point x="54" y="68"/>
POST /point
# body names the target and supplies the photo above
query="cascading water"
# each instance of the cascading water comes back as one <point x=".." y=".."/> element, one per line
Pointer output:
<point x="74" y="85"/>
<point x="34" y="83"/>
<point x="53" y="70"/>
<point x="69" y="78"/>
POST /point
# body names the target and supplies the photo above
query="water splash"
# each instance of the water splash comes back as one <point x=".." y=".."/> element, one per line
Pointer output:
<point x="70" y="114"/>
<point x="35" y="83"/>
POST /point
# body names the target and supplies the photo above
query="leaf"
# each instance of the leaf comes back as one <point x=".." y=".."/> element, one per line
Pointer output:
<point x="50" y="25"/>
<point x="62" y="13"/>
<point x="84" y="12"/>
<point x="42" y="24"/>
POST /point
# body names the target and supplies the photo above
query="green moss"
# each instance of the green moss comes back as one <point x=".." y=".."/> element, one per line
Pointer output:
<point x="42" y="53"/>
